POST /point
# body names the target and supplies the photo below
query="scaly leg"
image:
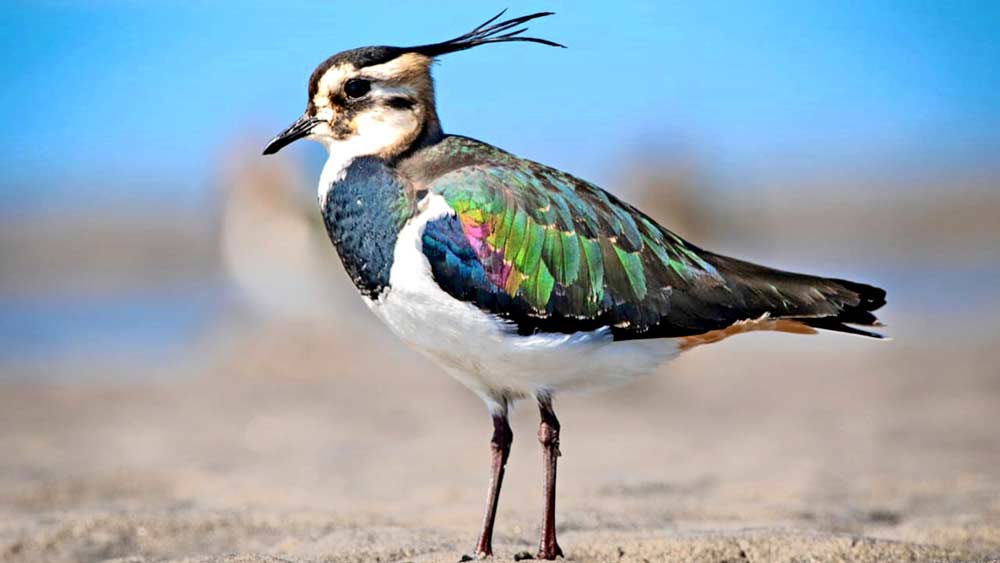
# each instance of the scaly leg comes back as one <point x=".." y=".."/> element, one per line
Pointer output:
<point x="500" y="448"/>
<point x="548" y="436"/>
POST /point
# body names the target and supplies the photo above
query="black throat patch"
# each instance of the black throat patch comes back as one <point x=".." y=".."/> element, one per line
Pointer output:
<point x="364" y="213"/>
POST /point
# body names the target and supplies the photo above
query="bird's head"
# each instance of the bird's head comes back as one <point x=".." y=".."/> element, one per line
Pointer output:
<point x="380" y="100"/>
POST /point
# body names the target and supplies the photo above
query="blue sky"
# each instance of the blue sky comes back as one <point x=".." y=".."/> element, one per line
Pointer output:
<point x="135" y="101"/>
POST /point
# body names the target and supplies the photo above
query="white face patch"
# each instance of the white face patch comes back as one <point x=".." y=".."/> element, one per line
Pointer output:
<point x="334" y="79"/>
<point x="376" y="130"/>
<point x="373" y="125"/>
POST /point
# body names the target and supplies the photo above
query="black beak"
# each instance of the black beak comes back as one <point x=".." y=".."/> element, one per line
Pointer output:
<point x="302" y="127"/>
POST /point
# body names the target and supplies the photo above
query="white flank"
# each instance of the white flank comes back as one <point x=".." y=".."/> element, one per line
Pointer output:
<point x="481" y="351"/>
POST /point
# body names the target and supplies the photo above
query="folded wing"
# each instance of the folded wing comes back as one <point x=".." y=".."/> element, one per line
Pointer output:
<point x="552" y="253"/>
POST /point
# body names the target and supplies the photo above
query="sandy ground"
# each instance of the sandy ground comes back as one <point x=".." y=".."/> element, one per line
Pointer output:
<point x="310" y="443"/>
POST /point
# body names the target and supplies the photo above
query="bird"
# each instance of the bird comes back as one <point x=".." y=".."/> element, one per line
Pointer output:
<point x="517" y="279"/>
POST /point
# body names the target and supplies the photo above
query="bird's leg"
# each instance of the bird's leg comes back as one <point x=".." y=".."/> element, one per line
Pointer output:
<point x="500" y="448"/>
<point x="548" y="436"/>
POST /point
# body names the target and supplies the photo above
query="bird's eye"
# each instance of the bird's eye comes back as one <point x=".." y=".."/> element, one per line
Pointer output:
<point x="356" y="87"/>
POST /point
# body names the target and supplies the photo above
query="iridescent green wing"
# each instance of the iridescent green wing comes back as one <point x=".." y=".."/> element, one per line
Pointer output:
<point x="559" y="254"/>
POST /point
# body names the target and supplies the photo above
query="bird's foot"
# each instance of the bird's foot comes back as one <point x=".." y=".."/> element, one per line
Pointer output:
<point x="549" y="551"/>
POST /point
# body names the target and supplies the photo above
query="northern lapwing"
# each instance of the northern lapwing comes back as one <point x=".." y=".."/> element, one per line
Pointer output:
<point x="517" y="279"/>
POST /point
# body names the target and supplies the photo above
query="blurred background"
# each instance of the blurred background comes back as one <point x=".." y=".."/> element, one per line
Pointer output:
<point x="173" y="319"/>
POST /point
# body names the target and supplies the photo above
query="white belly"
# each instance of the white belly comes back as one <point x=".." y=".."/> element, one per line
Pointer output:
<point x="482" y="351"/>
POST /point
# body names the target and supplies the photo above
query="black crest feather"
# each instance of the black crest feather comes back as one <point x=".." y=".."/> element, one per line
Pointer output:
<point x="486" y="32"/>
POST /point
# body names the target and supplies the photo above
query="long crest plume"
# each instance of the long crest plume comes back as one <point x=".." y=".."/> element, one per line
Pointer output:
<point x="487" y="32"/>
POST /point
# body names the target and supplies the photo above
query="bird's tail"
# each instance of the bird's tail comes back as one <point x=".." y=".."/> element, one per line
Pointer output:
<point x="813" y="301"/>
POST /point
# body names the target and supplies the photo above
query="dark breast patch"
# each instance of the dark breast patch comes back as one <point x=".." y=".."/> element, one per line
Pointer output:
<point x="363" y="214"/>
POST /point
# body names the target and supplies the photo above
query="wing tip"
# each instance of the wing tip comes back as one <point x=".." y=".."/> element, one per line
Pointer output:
<point x="839" y="324"/>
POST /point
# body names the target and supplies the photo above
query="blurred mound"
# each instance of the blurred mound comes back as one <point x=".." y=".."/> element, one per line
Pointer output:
<point x="273" y="244"/>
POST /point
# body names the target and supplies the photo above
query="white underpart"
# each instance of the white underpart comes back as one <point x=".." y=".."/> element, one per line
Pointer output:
<point x="481" y="351"/>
